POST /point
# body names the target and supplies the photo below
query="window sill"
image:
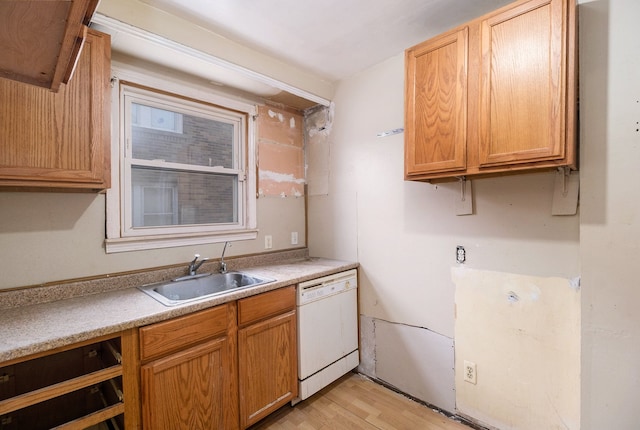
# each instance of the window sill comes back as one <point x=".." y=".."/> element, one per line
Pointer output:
<point x="154" y="242"/>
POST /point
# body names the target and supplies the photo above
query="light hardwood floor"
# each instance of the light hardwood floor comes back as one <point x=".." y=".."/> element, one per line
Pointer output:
<point x="356" y="403"/>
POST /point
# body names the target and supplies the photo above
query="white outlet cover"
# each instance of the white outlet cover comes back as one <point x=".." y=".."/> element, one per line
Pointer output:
<point x="470" y="372"/>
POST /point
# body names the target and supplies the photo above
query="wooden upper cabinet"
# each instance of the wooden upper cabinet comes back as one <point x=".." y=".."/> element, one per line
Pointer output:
<point x="519" y="109"/>
<point x="523" y="84"/>
<point x="436" y="104"/>
<point x="59" y="140"/>
<point x="40" y="40"/>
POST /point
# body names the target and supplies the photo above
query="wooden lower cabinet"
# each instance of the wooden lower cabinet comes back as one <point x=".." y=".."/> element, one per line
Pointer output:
<point x="267" y="354"/>
<point x="186" y="390"/>
<point x="222" y="368"/>
<point x="189" y="379"/>
<point x="197" y="371"/>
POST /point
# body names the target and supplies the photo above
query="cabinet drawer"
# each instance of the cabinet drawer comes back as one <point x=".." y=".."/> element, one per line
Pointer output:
<point x="168" y="336"/>
<point x="72" y="387"/>
<point x="265" y="305"/>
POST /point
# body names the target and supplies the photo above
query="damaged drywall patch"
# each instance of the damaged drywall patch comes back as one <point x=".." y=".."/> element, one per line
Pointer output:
<point x="277" y="115"/>
<point x="367" y="364"/>
<point x="269" y="179"/>
<point x="280" y="153"/>
<point x="417" y="361"/>
<point x="280" y="177"/>
<point x="523" y="334"/>
<point x="575" y="283"/>
<point x="280" y="126"/>
<point x="318" y="122"/>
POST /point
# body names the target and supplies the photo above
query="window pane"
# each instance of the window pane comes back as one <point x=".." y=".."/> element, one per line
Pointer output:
<point x="166" y="197"/>
<point x="160" y="119"/>
<point x="159" y="134"/>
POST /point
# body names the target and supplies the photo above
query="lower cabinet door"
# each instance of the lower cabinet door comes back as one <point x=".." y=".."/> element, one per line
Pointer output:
<point x="188" y="390"/>
<point x="267" y="353"/>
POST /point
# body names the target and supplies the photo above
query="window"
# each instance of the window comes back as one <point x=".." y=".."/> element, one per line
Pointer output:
<point x="153" y="117"/>
<point x="184" y="172"/>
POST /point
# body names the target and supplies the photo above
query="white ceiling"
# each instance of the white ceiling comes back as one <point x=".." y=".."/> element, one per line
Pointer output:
<point x="334" y="39"/>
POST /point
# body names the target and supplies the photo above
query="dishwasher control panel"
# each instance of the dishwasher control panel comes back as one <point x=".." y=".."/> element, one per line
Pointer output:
<point x="326" y="286"/>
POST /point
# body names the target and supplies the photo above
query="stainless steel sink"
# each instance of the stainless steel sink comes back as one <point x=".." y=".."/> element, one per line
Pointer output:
<point x="197" y="287"/>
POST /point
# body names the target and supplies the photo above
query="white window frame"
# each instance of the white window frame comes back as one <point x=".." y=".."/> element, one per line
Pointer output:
<point x="121" y="236"/>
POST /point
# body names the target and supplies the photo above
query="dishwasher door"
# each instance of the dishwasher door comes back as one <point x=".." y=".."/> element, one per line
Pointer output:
<point x="327" y="322"/>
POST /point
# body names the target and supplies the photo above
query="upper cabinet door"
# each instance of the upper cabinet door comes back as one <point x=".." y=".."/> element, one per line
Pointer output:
<point x="523" y="84"/>
<point x="59" y="140"/>
<point x="436" y="104"/>
<point x="41" y="40"/>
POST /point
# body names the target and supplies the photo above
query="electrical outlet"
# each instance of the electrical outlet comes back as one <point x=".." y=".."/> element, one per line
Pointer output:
<point x="294" y="238"/>
<point x="470" y="372"/>
<point x="268" y="242"/>
<point x="461" y="254"/>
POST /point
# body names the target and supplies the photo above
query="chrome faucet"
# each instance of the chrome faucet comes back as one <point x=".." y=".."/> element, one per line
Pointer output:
<point x="195" y="264"/>
<point x="223" y="265"/>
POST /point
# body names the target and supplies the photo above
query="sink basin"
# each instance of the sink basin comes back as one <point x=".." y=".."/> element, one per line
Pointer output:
<point x="190" y="288"/>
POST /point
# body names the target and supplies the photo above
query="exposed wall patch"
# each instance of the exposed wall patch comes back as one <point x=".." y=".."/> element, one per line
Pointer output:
<point x="280" y="177"/>
<point x="280" y="153"/>
<point x="575" y="283"/>
<point x="278" y="115"/>
<point x="505" y="323"/>
<point x="317" y="129"/>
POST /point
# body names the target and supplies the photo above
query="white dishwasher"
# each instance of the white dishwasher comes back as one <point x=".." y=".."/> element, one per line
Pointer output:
<point x="327" y="330"/>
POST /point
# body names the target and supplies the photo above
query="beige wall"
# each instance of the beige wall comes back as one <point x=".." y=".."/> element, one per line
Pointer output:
<point x="610" y="223"/>
<point x="48" y="237"/>
<point x="404" y="234"/>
